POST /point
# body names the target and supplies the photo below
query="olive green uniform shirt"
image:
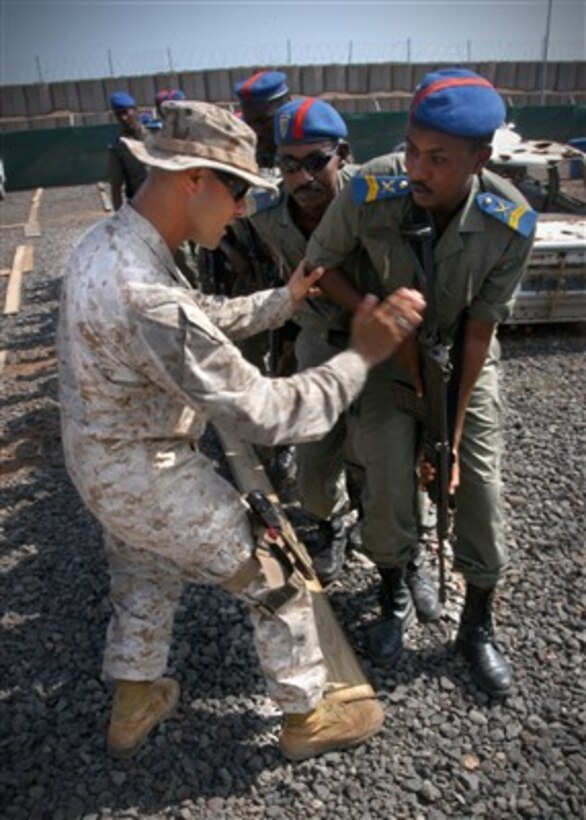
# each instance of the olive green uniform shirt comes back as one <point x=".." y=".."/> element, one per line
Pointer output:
<point x="479" y="262"/>
<point x="277" y="229"/>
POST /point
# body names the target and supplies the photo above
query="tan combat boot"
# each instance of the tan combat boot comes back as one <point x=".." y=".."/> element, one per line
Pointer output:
<point x="331" y="725"/>
<point x="138" y="707"/>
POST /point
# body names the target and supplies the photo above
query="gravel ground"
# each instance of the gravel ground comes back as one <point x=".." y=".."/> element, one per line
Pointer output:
<point x="446" y="749"/>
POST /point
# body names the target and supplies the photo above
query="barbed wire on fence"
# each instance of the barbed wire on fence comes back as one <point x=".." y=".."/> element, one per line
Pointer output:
<point x="115" y="63"/>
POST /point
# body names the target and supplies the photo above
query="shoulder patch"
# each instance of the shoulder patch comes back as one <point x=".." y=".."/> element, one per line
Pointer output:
<point x="259" y="200"/>
<point x="519" y="218"/>
<point x="370" y="188"/>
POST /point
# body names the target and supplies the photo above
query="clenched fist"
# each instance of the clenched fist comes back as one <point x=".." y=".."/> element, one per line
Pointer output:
<point x="378" y="328"/>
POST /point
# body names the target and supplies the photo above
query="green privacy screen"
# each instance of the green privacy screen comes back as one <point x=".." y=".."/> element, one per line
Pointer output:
<point x="78" y="156"/>
<point x="55" y="156"/>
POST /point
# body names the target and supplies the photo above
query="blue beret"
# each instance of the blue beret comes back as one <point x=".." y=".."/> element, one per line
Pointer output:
<point x="263" y="86"/>
<point x="308" y="119"/>
<point x="150" y="122"/>
<point x="458" y="102"/>
<point x="121" y="100"/>
<point x="164" y="95"/>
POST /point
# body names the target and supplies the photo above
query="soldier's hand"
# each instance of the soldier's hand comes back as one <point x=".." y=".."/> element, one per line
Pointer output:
<point x="378" y="328"/>
<point x="302" y="283"/>
<point x="427" y="473"/>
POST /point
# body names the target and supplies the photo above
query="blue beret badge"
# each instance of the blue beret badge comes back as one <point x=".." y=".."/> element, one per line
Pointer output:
<point x="370" y="188"/>
<point x="283" y="121"/>
<point x="518" y="218"/>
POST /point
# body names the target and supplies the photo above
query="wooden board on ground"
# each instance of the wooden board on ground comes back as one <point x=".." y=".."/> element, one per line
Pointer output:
<point x="32" y="227"/>
<point x="104" y="196"/>
<point x="23" y="262"/>
<point x="346" y="680"/>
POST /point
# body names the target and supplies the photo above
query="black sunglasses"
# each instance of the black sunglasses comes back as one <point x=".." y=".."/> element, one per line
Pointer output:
<point x="237" y="186"/>
<point x="312" y="163"/>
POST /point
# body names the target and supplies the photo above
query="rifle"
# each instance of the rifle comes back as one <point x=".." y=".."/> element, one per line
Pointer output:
<point x="346" y="680"/>
<point x="435" y="410"/>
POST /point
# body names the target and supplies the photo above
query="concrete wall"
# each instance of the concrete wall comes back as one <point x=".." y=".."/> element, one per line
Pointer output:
<point x="351" y="88"/>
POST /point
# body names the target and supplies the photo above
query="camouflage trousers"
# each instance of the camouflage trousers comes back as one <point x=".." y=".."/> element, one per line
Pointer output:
<point x="147" y="578"/>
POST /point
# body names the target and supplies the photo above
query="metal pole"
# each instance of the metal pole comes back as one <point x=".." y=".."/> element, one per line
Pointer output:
<point x="468" y="51"/>
<point x="110" y="63"/>
<point x="288" y="51"/>
<point x="545" y="51"/>
<point x="39" y="70"/>
<point x="408" y="49"/>
<point x="350" y="48"/>
<point x="170" y="59"/>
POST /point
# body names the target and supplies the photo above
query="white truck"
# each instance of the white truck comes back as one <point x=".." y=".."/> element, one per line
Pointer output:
<point x="554" y="287"/>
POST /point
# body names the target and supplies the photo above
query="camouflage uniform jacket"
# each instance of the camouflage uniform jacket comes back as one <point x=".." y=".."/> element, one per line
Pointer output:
<point x="145" y="362"/>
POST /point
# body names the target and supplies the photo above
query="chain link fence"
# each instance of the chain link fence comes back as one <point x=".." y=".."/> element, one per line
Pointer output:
<point x="112" y="63"/>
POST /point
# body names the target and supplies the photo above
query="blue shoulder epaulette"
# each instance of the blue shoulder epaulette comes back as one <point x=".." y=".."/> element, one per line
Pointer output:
<point x="369" y="188"/>
<point x="519" y="218"/>
<point x="262" y="200"/>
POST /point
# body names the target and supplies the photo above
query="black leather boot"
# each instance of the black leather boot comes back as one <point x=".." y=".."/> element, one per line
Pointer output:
<point x="476" y="642"/>
<point x="385" y="638"/>
<point x="328" y="550"/>
<point x="422" y="588"/>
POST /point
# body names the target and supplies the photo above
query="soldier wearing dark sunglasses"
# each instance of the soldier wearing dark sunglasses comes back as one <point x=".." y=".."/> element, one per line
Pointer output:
<point x="312" y="155"/>
<point x="313" y="163"/>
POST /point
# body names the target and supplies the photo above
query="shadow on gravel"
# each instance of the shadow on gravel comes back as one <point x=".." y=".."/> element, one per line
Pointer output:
<point x="222" y="742"/>
<point x="53" y="706"/>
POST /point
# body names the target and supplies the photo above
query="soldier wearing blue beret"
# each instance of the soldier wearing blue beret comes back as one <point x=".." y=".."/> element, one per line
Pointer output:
<point x="125" y="172"/>
<point x="312" y="156"/>
<point x="241" y="264"/>
<point x="165" y="95"/>
<point x="259" y="96"/>
<point x="121" y="101"/>
<point x="481" y="233"/>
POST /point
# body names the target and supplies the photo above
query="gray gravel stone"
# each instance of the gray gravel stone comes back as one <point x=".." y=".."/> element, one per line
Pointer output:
<point x="217" y="759"/>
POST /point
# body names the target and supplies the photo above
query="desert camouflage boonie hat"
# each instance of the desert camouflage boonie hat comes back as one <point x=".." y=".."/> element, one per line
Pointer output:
<point x="201" y="135"/>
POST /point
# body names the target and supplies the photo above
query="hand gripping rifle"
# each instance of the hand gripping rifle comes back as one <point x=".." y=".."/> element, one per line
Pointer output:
<point x="435" y="411"/>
